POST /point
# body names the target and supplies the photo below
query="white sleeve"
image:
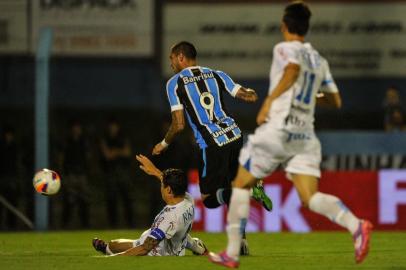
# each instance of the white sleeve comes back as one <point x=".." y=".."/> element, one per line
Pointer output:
<point x="327" y="84"/>
<point x="284" y="54"/>
<point x="171" y="91"/>
<point x="231" y="87"/>
<point x="165" y="227"/>
<point x="189" y="198"/>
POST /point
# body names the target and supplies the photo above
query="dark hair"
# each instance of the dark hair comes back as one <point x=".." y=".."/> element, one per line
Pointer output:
<point x="186" y="48"/>
<point x="177" y="180"/>
<point x="297" y="17"/>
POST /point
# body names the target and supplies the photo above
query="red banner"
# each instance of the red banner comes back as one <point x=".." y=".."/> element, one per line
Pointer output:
<point x="377" y="196"/>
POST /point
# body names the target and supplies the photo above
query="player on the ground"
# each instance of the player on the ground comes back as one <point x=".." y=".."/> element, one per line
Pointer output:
<point x="198" y="92"/>
<point x="169" y="233"/>
<point x="286" y="137"/>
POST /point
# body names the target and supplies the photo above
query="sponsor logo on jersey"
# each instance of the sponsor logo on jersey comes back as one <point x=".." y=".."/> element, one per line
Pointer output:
<point x="236" y="137"/>
<point x="294" y="120"/>
<point x="297" y="137"/>
<point x="193" y="79"/>
<point x="224" y="130"/>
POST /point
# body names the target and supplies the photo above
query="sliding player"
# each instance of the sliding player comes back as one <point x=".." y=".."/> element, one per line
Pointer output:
<point x="286" y="137"/>
<point x="169" y="233"/>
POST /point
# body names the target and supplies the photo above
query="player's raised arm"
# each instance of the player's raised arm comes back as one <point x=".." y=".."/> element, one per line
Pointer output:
<point x="177" y="125"/>
<point x="178" y="119"/>
<point x="289" y="77"/>
<point x="247" y="94"/>
<point x="234" y="89"/>
<point x="148" y="167"/>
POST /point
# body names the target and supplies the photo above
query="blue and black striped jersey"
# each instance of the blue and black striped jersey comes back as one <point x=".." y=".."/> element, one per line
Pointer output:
<point x="199" y="91"/>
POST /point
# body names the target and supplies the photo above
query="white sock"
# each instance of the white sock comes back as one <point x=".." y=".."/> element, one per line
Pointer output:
<point x="333" y="208"/>
<point x="237" y="218"/>
<point x="108" y="251"/>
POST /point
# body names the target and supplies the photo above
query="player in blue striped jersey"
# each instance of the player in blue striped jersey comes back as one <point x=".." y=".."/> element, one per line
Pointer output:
<point x="197" y="92"/>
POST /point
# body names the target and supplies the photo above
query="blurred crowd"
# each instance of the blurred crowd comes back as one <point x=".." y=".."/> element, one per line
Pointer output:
<point x="102" y="186"/>
<point x="394" y="112"/>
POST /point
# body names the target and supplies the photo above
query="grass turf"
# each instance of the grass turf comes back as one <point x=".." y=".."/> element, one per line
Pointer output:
<point x="73" y="250"/>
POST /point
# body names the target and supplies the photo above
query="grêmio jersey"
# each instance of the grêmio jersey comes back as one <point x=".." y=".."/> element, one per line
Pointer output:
<point x="199" y="92"/>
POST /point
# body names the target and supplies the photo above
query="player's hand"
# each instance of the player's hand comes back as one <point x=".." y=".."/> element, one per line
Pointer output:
<point x="147" y="166"/>
<point x="263" y="114"/>
<point x="252" y="96"/>
<point x="247" y="94"/>
<point x="158" y="149"/>
<point x="262" y="118"/>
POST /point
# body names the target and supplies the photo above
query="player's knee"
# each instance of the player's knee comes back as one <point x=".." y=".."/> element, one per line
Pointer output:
<point x="315" y="201"/>
<point x="245" y="181"/>
<point x="305" y="203"/>
<point x="112" y="244"/>
<point x="239" y="183"/>
<point x="243" y="185"/>
<point x="211" y="202"/>
<point x="305" y="200"/>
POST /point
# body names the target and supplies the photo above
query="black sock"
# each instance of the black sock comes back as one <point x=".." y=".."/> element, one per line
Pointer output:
<point x="222" y="196"/>
<point x="226" y="195"/>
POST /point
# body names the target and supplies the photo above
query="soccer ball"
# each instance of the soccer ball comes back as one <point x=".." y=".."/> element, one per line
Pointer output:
<point x="46" y="182"/>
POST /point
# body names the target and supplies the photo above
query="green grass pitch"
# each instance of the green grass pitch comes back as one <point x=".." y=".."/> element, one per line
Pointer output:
<point x="73" y="250"/>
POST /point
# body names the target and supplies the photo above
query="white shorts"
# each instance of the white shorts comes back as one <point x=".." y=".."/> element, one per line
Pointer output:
<point x="267" y="148"/>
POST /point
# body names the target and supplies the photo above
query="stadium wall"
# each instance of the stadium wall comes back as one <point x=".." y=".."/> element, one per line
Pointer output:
<point x="378" y="196"/>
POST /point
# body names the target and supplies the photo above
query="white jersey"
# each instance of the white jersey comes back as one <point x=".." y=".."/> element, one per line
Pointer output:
<point x="288" y="137"/>
<point x="294" y="109"/>
<point x="171" y="227"/>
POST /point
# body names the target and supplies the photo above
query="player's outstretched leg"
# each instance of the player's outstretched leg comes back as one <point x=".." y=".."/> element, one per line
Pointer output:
<point x="222" y="196"/>
<point x="99" y="245"/>
<point x="333" y="208"/>
<point x="258" y="194"/>
<point x="223" y="259"/>
<point x="236" y="218"/>
<point x="361" y="240"/>
<point x="112" y="246"/>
